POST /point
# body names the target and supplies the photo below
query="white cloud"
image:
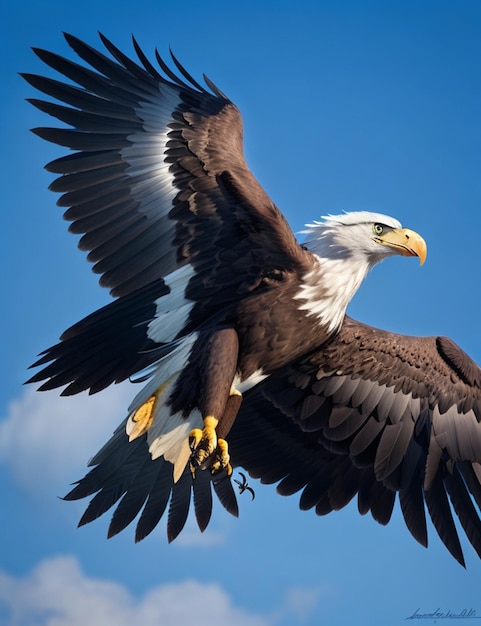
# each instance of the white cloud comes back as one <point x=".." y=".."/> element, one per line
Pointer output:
<point x="58" y="593"/>
<point x="46" y="439"/>
<point x="302" y="601"/>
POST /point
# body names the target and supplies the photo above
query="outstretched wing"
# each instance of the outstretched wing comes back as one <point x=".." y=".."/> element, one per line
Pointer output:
<point x="158" y="177"/>
<point x="373" y="414"/>
<point x="159" y="189"/>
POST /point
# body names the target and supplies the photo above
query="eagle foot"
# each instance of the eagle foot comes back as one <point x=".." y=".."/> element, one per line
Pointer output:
<point x="209" y="452"/>
<point x="221" y="460"/>
<point x="218" y="462"/>
<point x="203" y="442"/>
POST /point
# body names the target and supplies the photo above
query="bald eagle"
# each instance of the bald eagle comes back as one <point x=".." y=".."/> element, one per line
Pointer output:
<point x="239" y="332"/>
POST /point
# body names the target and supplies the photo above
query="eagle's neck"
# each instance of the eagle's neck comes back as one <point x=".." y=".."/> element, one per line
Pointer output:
<point x="329" y="286"/>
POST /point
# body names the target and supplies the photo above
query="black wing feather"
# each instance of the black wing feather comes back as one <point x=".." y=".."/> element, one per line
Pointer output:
<point x="375" y="429"/>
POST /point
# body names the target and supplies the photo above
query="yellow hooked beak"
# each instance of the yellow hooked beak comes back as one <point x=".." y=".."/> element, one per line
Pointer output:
<point x="405" y="241"/>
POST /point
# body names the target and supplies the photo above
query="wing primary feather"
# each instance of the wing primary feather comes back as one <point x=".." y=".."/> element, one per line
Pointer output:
<point x="112" y="488"/>
<point x="109" y="460"/>
<point x="80" y="180"/>
<point x="344" y="488"/>
<point x="75" y="140"/>
<point x="84" y="162"/>
<point x="440" y="512"/>
<point x="135" y="497"/>
<point x="168" y="72"/>
<point x="185" y="73"/>
<point x="314" y="490"/>
<point x="472" y="480"/>
<point x="156" y="503"/>
<point x="202" y="499"/>
<point x="214" y="88"/>
<point x="112" y="70"/>
<point x="87" y="78"/>
<point x="374" y="497"/>
<point x="87" y="121"/>
<point x="464" y="508"/>
<point x="101" y="503"/>
<point x="412" y="507"/>
<point x="226" y="494"/>
<point x="382" y="504"/>
<point x="140" y="73"/>
<point x="145" y="61"/>
<point x="179" y="505"/>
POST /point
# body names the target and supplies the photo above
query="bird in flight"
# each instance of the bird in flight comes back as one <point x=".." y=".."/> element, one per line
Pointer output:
<point x="239" y="333"/>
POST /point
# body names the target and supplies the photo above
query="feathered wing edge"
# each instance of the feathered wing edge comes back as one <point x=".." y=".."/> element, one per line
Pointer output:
<point x="367" y="418"/>
<point x="125" y="473"/>
<point x="109" y="345"/>
<point x="158" y="178"/>
<point x="332" y="437"/>
<point x="158" y="188"/>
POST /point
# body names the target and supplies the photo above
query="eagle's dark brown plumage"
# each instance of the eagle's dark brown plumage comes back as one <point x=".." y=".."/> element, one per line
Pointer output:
<point x="239" y="331"/>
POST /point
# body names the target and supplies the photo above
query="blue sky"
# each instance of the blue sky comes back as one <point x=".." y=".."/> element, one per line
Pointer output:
<point x="346" y="106"/>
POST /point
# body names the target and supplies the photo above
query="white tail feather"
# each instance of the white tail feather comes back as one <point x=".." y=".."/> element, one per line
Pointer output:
<point x="172" y="440"/>
<point x="168" y="435"/>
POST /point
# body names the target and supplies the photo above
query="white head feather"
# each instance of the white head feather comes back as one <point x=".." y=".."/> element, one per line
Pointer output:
<point x="346" y="250"/>
<point x="348" y="235"/>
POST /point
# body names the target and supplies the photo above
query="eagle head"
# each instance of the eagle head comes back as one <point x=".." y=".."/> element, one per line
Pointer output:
<point x="345" y="248"/>
<point x="364" y="237"/>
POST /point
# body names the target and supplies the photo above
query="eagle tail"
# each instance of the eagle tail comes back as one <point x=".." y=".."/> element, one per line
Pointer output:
<point x="152" y="412"/>
<point x="125" y="474"/>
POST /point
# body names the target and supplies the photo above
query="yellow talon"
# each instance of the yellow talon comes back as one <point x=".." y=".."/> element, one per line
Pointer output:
<point x="221" y="459"/>
<point x="195" y="437"/>
<point x="203" y="442"/>
<point x="207" y="450"/>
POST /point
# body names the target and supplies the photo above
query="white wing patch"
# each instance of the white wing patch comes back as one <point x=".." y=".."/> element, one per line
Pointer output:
<point x="153" y="183"/>
<point x="172" y="311"/>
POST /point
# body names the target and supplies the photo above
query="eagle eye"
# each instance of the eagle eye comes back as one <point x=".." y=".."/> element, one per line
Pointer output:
<point x="378" y="229"/>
